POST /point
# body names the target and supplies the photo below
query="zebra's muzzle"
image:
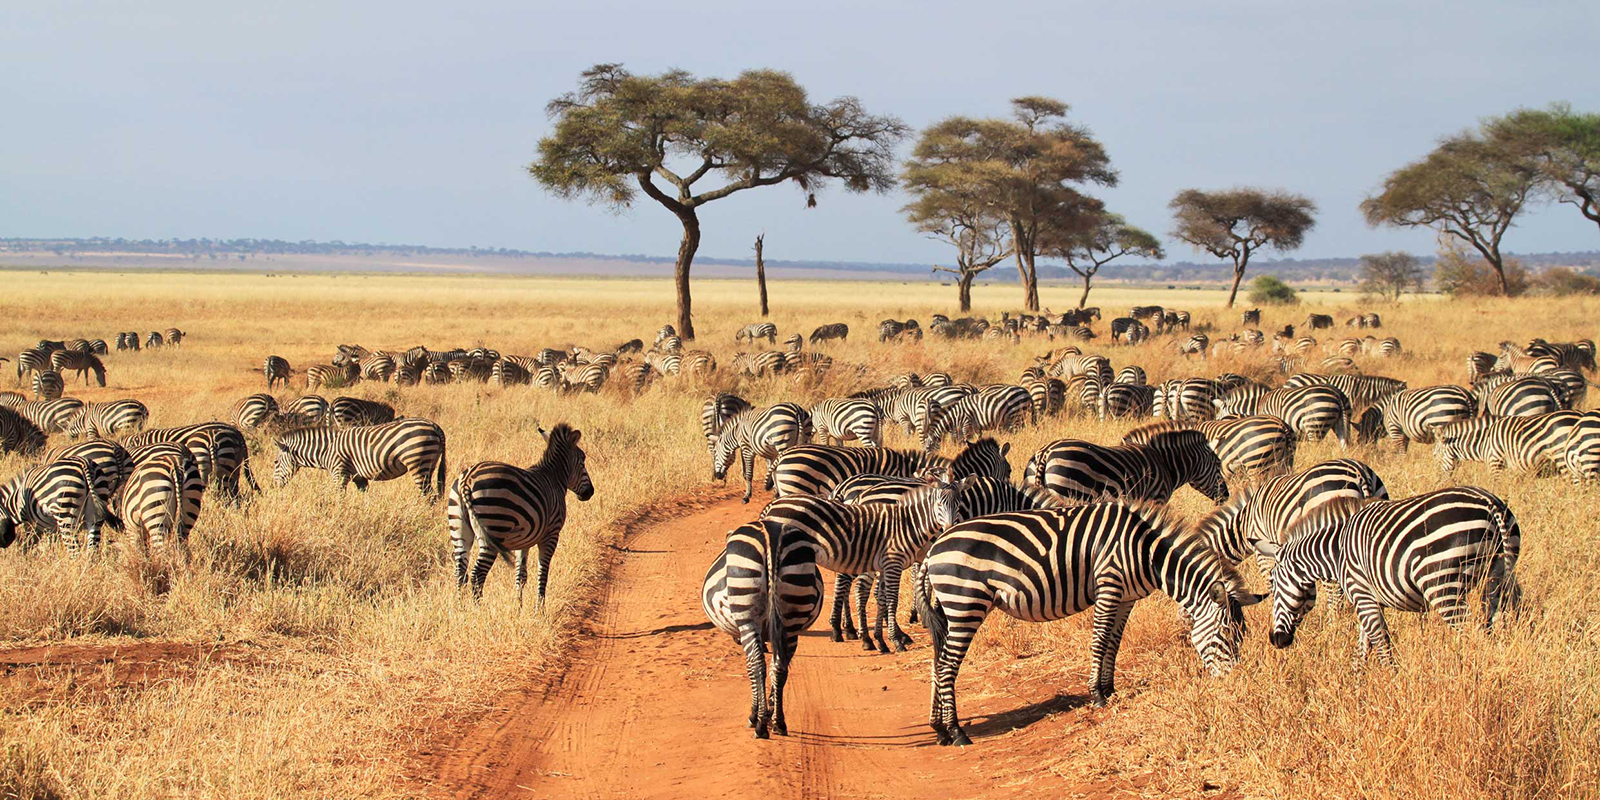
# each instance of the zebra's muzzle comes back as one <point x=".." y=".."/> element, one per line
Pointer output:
<point x="1282" y="639"/>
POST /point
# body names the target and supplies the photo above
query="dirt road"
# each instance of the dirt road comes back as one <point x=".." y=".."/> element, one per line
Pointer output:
<point x="654" y="705"/>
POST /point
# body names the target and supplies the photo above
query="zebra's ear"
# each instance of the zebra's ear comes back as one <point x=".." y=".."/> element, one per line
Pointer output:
<point x="576" y="435"/>
<point x="1005" y="448"/>
<point x="1266" y="548"/>
<point x="542" y="431"/>
<point x="1249" y="598"/>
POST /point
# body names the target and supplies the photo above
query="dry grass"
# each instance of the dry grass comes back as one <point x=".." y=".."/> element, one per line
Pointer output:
<point x="366" y="649"/>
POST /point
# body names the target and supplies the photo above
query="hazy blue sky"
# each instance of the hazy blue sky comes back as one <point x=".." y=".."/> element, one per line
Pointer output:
<point x="407" y="121"/>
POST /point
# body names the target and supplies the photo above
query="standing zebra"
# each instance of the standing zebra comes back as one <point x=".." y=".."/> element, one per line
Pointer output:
<point x="998" y="407"/>
<point x="331" y="375"/>
<point x="31" y="362"/>
<point x="1270" y="510"/>
<point x="841" y="419"/>
<point x="1519" y="397"/>
<point x="368" y="453"/>
<point x="109" y="419"/>
<point x="175" y="336"/>
<point x="376" y="367"/>
<point x="1126" y="400"/>
<point x="1079" y="470"/>
<point x="877" y="538"/>
<point x="111" y="462"/>
<point x="764" y="589"/>
<point x="757" y="330"/>
<point x="81" y="363"/>
<point x="48" y="385"/>
<point x="505" y="508"/>
<point x="18" y="434"/>
<point x="1362" y="390"/>
<point x="766" y="433"/>
<point x="57" y="496"/>
<point x="1248" y="448"/>
<point x="1428" y="551"/>
<point x="835" y="330"/>
<point x="161" y="499"/>
<point x="219" y="449"/>
<point x="311" y="409"/>
<point x="349" y="411"/>
<point x="1186" y="399"/>
<point x="1310" y="411"/>
<point x="254" y="411"/>
<point x="1413" y="414"/>
<point x="1529" y="444"/>
<point x="277" y="370"/>
<point x="716" y="411"/>
<point x="816" y="469"/>
<point x="52" y="416"/>
<point x="1048" y="564"/>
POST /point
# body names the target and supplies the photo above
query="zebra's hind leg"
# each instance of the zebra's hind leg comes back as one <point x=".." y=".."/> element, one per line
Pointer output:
<point x="889" y="607"/>
<point x="1110" y="617"/>
<point x="841" y="608"/>
<point x="1501" y="593"/>
<point x="755" y="663"/>
<point x="860" y="593"/>
<point x="782" y="651"/>
<point x="480" y="570"/>
<point x="1374" y="631"/>
<point x="919" y="591"/>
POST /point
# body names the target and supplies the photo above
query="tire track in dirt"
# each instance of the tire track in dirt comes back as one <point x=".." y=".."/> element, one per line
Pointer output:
<point x="653" y="704"/>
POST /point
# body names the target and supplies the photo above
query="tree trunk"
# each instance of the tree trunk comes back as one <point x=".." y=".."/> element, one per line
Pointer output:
<point x="1029" y="275"/>
<point x="761" y="274"/>
<point x="1238" y="275"/>
<point x="686" y="251"/>
<point x="1085" y="298"/>
<point x="965" y="290"/>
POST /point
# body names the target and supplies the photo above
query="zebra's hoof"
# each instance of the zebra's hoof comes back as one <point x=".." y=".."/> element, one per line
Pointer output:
<point x="1098" y="697"/>
<point x="941" y="737"/>
<point x="746" y="501"/>
<point x="780" y="728"/>
<point x="899" y="646"/>
<point x="836" y="636"/>
<point x="959" y="738"/>
<point x="761" y="733"/>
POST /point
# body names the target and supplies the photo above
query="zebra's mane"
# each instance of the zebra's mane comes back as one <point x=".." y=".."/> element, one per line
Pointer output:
<point x="1179" y="536"/>
<point x="561" y="439"/>
<point x="1332" y="514"/>
<point x="1145" y="433"/>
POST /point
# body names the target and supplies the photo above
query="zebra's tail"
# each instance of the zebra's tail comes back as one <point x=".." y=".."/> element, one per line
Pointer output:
<point x="776" y="636"/>
<point x="932" y="614"/>
<point x="1502" y="593"/>
<point x="440" y="469"/>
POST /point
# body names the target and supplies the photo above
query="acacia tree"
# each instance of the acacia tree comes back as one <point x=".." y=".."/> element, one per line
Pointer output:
<point x="948" y="206"/>
<point x="1235" y="223"/>
<point x="1467" y="188"/>
<point x="1390" y="274"/>
<point x="1025" y="171"/>
<point x="621" y="133"/>
<point x="1564" y="147"/>
<point x="1105" y="238"/>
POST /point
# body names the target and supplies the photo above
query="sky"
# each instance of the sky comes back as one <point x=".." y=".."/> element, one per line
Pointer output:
<point x="412" y="122"/>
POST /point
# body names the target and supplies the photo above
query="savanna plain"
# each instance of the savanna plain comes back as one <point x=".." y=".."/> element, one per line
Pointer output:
<point x="317" y="645"/>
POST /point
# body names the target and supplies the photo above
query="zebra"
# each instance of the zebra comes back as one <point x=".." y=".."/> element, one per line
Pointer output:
<point x="1519" y="397"/>
<point x="276" y="369"/>
<point x="1128" y="330"/>
<point x="57" y="496"/>
<point x="52" y="416"/>
<point x="1186" y="399"/>
<point x="154" y="340"/>
<point x="254" y="411"/>
<point x="1126" y="400"/>
<point x="891" y="330"/>
<point x="312" y="409"/>
<point x="507" y="372"/>
<point x="912" y="408"/>
<point x="1310" y="411"/>
<point x="1174" y="320"/>
<point x="766" y="362"/>
<point x="1197" y="344"/>
<point x="1047" y="395"/>
<point x="1251" y="318"/>
<point x="1412" y="415"/>
<point x="666" y="331"/>
<point x="1080" y="470"/>
<point x="1002" y="407"/>
<point x="815" y="468"/>
<point x="1048" y="564"/>
<point x="31" y="362"/>
<point x="716" y="411"/>
<point x="636" y="377"/>
<point x="505" y="508"/>
<point x="48" y="385"/>
<point x="367" y="453"/>
<point x="127" y="340"/>
<point x="794" y="343"/>
<point x="583" y="378"/>
<point x="1521" y="362"/>
<point x="699" y="362"/>
<point x="1427" y="551"/>
<point x="839" y="420"/>
<point x="175" y="336"/>
<point x="109" y="419"/>
<point x="1581" y="457"/>
<point x="111" y="462"/>
<point x="1132" y="374"/>
<point x="346" y="412"/>
<point x="875" y="538"/>
<point x="1270" y="510"/>
<point x="1361" y="390"/>
<point x="1315" y="321"/>
<point x="1519" y="443"/>
<point x="834" y="330"/>
<point x="331" y="376"/>
<point x="767" y="433"/>
<point x="1577" y="355"/>
<point x="764" y="589"/>
<point x="18" y="434"/>
<point x="1248" y="447"/>
<point x="757" y="330"/>
<point x="161" y="498"/>
<point x="1389" y="347"/>
<point x="218" y="448"/>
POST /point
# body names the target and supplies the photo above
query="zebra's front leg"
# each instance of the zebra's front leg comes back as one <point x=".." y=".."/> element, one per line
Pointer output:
<point x="782" y="651"/>
<point x="919" y="592"/>
<point x="748" y="463"/>
<point x="890" y="605"/>
<point x="755" y="663"/>
<point x="1110" y="617"/>
<point x="1374" y="630"/>
<point x="841" y="608"/>
<point x="860" y="592"/>
<point x="547" y="551"/>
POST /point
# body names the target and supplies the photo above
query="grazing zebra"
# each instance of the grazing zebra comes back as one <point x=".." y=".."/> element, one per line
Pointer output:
<point x="1520" y="397"/>
<point x="716" y="411"/>
<point x="1132" y="374"/>
<point x="757" y="330"/>
<point x="507" y="372"/>
<point x="48" y="385"/>
<point x="331" y="376"/>
<point x="815" y="468"/>
<point x="52" y="416"/>
<point x="277" y="370"/>
<point x="1248" y="447"/>
<point x="764" y="589"/>
<point x="583" y="377"/>
<point x="506" y="508"/>
<point x="1047" y="395"/>
<point x="1582" y="456"/>
<point x="1126" y="400"/>
<point x="111" y="462"/>
<point x="1361" y="390"/>
<point x="1294" y="348"/>
<point x="912" y="408"/>
<point x="637" y="377"/>
<point x="1428" y="551"/>
<point x="109" y="419"/>
<point x="1080" y="470"/>
<point x="767" y="433"/>
<point x="1174" y="320"/>
<point x="835" y="330"/>
<point x="368" y="453"/>
<point x="1000" y="407"/>
<point x="1270" y="510"/>
<point x="160" y="501"/>
<point x="32" y="361"/>
<point x="1412" y="415"/>
<point x="18" y="434"/>
<point x="175" y="336"/>
<point x="1251" y="318"/>
<point x="839" y="420"/>
<point x="877" y="538"/>
<point x="1186" y="399"/>
<point x="891" y="330"/>
<point x="1310" y="411"/>
<point x="219" y="449"/>
<point x="311" y="409"/>
<point x="1519" y="443"/>
<point x="154" y="340"/>
<point x="350" y="411"/>
<point x="1316" y="321"/>
<point x="1577" y="355"/>
<point x="57" y="496"/>
<point x="376" y="367"/>
<point x="254" y="411"/>
<point x="794" y="343"/>
<point x="1048" y="564"/>
<point x="1128" y="330"/>
<point x="1197" y="344"/>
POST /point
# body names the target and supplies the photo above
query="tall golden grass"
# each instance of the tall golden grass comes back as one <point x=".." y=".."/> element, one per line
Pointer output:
<point x="361" y="651"/>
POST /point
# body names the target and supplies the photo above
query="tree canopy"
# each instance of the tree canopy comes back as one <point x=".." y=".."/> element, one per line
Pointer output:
<point x="1390" y="274"/>
<point x="1104" y="238"/>
<point x="1562" y="145"/>
<point x="1235" y="223"/>
<point x="686" y="141"/>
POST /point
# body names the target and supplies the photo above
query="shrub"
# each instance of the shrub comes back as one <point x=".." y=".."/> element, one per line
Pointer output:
<point x="1461" y="275"/>
<point x="1268" y="290"/>
<point x="1564" y="281"/>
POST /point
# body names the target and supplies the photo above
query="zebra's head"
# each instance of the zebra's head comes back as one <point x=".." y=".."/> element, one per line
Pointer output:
<point x="563" y="441"/>
<point x="1218" y="622"/>
<point x="941" y="498"/>
<point x="8" y="527"/>
<point x="723" y="448"/>
<point x="983" y="457"/>
<point x="1445" y="449"/>
<point x="1294" y="593"/>
<point x="287" y="464"/>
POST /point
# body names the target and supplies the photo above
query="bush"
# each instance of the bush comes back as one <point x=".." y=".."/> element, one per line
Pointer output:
<point x="1564" y="281"/>
<point x="1267" y="290"/>
<point x="1461" y="275"/>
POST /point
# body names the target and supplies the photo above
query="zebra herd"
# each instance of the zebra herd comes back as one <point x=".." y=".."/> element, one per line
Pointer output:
<point x="1088" y="526"/>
